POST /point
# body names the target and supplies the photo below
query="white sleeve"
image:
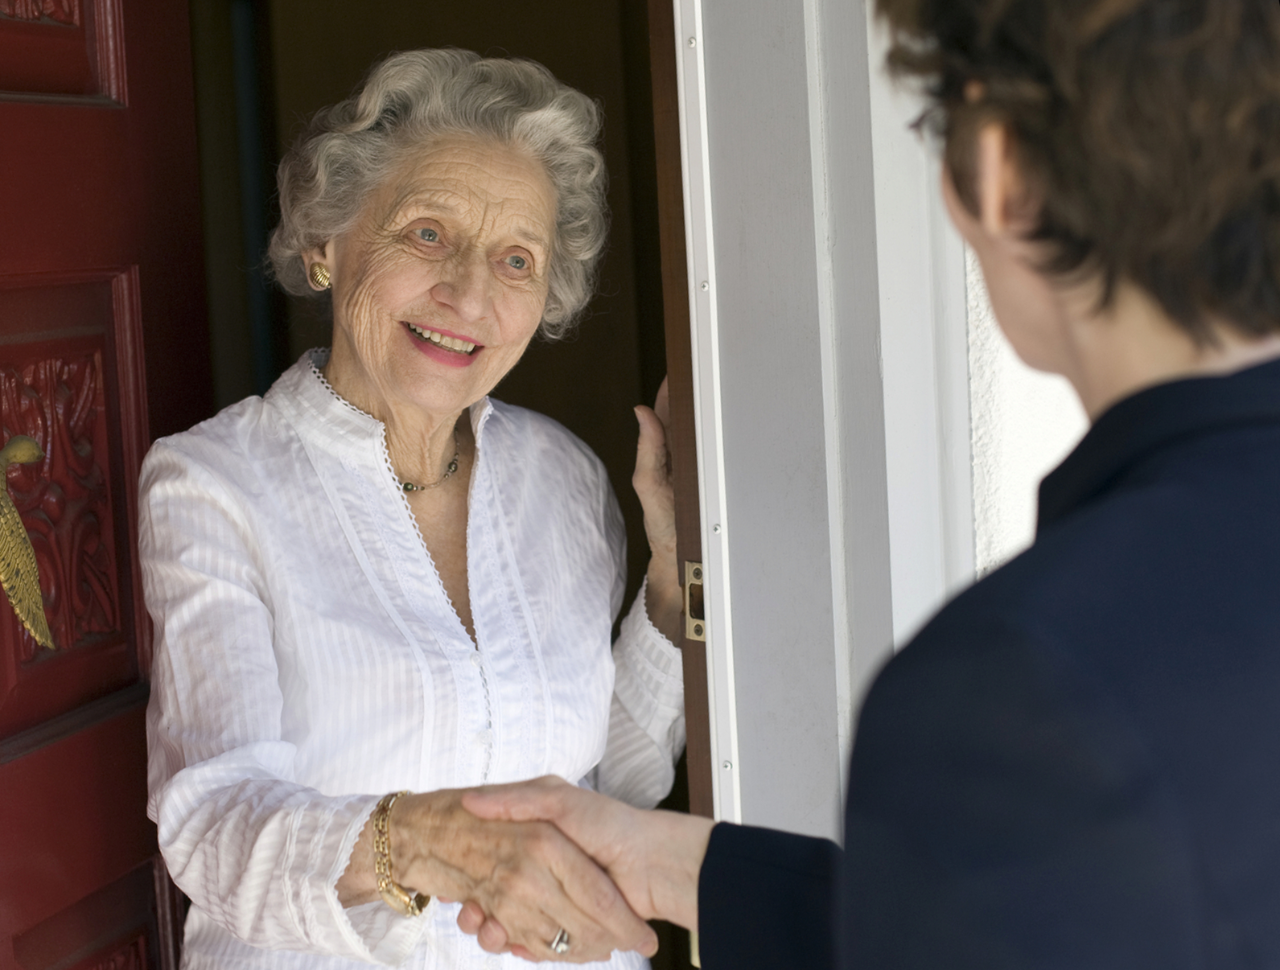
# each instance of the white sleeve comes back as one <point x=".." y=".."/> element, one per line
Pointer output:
<point x="646" y="717"/>
<point x="257" y="852"/>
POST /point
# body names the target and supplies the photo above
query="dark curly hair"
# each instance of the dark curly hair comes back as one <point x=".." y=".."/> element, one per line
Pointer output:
<point x="1149" y="128"/>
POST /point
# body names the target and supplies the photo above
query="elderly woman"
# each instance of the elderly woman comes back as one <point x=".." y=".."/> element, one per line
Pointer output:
<point x="375" y="586"/>
<point x="1074" y="764"/>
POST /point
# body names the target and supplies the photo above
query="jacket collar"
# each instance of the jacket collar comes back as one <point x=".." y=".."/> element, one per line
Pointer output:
<point x="1151" y="421"/>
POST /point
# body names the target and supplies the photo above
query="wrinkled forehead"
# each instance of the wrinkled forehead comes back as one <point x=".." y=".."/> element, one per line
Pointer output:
<point x="482" y="182"/>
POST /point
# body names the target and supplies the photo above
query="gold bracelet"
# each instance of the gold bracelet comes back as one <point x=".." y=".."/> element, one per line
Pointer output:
<point x="406" y="902"/>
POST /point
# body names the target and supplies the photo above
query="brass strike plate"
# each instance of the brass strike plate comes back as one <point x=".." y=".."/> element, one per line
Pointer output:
<point x="695" y="616"/>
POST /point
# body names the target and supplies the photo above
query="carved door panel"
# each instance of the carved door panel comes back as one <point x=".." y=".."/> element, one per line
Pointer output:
<point x="103" y="341"/>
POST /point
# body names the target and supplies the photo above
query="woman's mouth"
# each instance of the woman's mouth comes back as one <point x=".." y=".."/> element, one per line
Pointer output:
<point x="443" y="340"/>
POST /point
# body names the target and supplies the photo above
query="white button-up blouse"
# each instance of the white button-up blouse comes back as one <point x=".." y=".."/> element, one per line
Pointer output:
<point x="308" y="661"/>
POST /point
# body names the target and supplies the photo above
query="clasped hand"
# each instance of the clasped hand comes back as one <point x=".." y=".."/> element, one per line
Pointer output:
<point x="522" y="875"/>
<point x="652" y="858"/>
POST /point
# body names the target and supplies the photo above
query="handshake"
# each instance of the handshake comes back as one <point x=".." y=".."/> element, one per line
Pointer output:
<point x="549" y="871"/>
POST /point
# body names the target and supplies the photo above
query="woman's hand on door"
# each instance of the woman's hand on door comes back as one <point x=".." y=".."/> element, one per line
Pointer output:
<point x="653" y="484"/>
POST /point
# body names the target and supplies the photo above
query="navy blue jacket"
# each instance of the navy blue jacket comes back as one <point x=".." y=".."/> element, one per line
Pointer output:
<point x="1076" y="764"/>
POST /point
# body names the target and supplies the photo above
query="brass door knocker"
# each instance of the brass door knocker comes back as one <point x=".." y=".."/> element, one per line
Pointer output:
<point x="19" y="574"/>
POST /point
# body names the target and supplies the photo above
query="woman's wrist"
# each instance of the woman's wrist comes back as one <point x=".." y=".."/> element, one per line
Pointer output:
<point x="683" y="840"/>
<point x="663" y="600"/>
<point x="413" y="827"/>
<point x="403" y="899"/>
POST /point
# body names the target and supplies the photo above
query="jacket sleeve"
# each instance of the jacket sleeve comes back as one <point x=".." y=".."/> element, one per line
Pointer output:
<point x="259" y="853"/>
<point x="1006" y="811"/>
<point x="767" y="899"/>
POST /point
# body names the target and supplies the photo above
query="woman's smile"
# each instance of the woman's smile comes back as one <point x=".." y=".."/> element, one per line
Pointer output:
<point x="442" y="346"/>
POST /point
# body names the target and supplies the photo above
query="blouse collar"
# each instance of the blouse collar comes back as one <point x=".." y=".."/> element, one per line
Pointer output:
<point x="335" y="422"/>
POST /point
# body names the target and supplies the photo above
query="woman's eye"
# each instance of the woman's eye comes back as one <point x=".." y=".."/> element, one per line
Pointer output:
<point x="517" y="262"/>
<point x="428" y="235"/>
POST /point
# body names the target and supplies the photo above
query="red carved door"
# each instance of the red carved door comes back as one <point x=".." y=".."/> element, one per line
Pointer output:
<point x="103" y="342"/>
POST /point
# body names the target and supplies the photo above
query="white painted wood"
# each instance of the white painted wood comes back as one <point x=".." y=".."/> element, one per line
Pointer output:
<point x="955" y="427"/>
<point x="922" y="325"/>
<point x="849" y="325"/>
<point x="831" y="385"/>
<point x="696" y="173"/>
<point x="774" y="436"/>
<point x="791" y="421"/>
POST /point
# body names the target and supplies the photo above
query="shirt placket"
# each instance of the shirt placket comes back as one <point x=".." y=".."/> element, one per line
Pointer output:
<point x="484" y="737"/>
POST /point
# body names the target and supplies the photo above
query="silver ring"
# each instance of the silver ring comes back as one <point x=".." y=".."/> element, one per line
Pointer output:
<point x="560" y="945"/>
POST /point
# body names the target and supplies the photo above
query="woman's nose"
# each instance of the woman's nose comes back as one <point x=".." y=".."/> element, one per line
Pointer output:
<point x="464" y="286"/>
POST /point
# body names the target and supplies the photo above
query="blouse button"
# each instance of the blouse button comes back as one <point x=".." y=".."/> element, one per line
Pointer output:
<point x="475" y="658"/>
<point x="484" y="738"/>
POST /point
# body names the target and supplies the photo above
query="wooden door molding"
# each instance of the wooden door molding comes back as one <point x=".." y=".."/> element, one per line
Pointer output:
<point x="682" y="433"/>
<point x="62" y="47"/>
<point x="103" y="340"/>
<point x="70" y="377"/>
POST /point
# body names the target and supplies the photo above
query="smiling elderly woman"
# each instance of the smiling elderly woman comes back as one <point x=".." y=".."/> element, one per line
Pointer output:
<point x="375" y="578"/>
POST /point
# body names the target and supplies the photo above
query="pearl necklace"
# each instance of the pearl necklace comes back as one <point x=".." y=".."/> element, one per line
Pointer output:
<point x="452" y="467"/>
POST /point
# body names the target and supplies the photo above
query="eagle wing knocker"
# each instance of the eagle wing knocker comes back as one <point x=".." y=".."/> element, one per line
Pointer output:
<point x="18" y="572"/>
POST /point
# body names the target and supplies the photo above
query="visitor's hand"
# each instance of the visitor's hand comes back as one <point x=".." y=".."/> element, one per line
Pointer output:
<point x="653" y="484"/>
<point x="653" y="857"/>
<point x="526" y="875"/>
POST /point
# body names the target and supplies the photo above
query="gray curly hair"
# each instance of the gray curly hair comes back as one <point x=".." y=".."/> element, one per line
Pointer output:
<point x="412" y="97"/>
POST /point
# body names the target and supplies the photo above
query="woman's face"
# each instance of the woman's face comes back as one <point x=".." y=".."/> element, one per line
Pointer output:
<point x="441" y="285"/>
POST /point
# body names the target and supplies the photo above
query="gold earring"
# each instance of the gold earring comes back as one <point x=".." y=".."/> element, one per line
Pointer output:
<point x="320" y="276"/>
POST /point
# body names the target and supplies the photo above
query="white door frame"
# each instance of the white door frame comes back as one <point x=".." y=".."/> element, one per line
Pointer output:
<point x="831" y="388"/>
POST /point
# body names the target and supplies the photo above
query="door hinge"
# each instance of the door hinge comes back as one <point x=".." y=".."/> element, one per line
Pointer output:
<point x="695" y="615"/>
